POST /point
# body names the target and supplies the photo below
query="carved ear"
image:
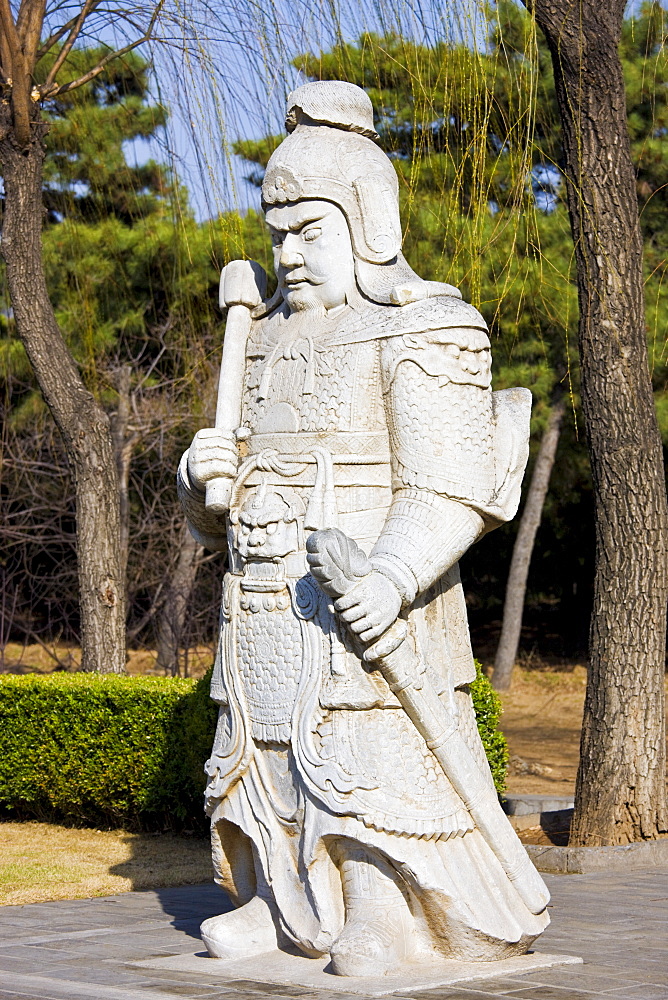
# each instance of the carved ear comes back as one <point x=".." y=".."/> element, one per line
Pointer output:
<point x="381" y="224"/>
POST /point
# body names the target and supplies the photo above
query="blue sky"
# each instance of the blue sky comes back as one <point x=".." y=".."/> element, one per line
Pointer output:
<point x="233" y="81"/>
<point x="231" y="78"/>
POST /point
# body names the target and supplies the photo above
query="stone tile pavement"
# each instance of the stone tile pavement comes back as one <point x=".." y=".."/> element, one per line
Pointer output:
<point x="81" y="949"/>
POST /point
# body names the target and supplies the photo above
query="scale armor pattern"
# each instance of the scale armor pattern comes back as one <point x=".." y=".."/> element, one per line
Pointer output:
<point x="329" y="407"/>
<point x="421" y="800"/>
<point x="270" y="664"/>
<point x="441" y="435"/>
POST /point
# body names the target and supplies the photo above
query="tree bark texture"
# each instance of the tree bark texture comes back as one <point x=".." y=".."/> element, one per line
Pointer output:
<point x="123" y="447"/>
<point x="620" y="795"/>
<point x="81" y="421"/>
<point x="169" y="632"/>
<point x="513" y="607"/>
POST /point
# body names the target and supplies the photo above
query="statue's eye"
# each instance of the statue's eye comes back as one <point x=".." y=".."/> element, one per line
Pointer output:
<point x="271" y="527"/>
<point x="312" y="234"/>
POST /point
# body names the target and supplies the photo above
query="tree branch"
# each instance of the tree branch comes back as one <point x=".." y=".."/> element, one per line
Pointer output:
<point x="87" y="8"/>
<point x="5" y="56"/>
<point x="19" y="77"/>
<point x="55" y="37"/>
<point x="10" y="33"/>
<point x="91" y="74"/>
<point x="29" y="29"/>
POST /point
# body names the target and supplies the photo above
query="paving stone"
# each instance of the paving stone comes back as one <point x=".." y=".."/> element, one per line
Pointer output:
<point x="82" y="947"/>
<point x="644" y="992"/>
<point x="655" y="973"/>
<point x="37" y="956"/>
<point x="493" y="987"/>
<point x="584" y="979"/>
<point x="177" y="989"/>
<point x="22" y="965"/>
<point x="452" y="993"/>
<point x="17" y="996"/>
<point x="471" y="990"/>
<point x="70" y="990"/>
<point x="105" y="976"/>
<point x="248" y="984"/>
<point x="552" y="993"/>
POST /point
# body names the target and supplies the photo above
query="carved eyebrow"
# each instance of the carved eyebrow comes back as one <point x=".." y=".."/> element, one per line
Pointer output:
<point x="301" y="221"/>
<point x="304" y="220"/>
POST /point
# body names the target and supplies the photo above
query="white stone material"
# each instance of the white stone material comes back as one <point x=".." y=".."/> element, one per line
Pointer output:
<point x="358" y="452"/>
<point x="280" y="968"/>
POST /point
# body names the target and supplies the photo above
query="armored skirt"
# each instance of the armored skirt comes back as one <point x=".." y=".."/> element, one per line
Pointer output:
<point x="313" y="753"/>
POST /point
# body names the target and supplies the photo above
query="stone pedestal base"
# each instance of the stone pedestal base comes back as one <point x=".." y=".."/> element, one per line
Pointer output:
<point x="282" y="968"/>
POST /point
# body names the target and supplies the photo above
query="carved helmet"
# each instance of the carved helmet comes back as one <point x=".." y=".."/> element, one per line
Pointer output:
<point x="330" y="154"/>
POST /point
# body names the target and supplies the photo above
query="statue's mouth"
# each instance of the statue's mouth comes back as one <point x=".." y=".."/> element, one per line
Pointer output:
<point x="300" y="278"/>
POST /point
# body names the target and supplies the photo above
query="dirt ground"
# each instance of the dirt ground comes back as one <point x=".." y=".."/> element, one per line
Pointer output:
<point x="16" y="658"/>
<point x="542" y="719"/>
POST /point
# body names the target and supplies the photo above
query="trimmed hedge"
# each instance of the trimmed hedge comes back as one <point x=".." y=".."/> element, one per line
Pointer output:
<point x="488" y="709"/>
<point x="121" y="751"/>
<point x="105" y="750"/>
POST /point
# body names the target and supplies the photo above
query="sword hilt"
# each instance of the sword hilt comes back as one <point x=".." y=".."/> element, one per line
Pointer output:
<point x="336" y="561"/>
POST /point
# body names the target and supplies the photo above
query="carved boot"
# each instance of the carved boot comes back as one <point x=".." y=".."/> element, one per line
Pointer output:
<point x="245" y="932"/>
<point x="376" y="937"/>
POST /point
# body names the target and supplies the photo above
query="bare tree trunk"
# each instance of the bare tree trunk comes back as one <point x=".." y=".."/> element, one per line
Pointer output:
<point x="123" y="453"/>
<point x="620" y="795"/>
<point x="513" y="607"/>
<point x="169" y="630"/>
<point x="81" y="421"/>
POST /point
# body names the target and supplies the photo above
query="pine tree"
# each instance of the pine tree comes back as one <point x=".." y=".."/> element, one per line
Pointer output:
<point x="82" y="422"/>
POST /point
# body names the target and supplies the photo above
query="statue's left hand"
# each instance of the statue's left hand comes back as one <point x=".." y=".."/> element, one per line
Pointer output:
<point x="370" y="607"/>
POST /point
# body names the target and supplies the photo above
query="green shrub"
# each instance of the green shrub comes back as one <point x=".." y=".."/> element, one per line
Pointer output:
<point x="105" y="750"/>
<point x="121" y="751"/>
<point x="488" y="710"/>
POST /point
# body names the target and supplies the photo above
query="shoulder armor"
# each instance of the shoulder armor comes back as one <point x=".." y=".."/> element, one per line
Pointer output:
<point x="459" y="355"/>
<point x="380" y="322"/>
<point x="439" y="313"/>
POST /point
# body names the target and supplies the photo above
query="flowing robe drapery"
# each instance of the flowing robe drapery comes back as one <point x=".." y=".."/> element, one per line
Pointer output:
<point x="380" y="421"/>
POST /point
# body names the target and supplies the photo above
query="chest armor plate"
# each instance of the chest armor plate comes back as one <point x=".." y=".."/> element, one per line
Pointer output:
<point x="295" y="384"/>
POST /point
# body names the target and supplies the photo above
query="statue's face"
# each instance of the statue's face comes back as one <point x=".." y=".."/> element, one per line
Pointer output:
<point x="313" y="255"/>
<point x="266" y="542"/>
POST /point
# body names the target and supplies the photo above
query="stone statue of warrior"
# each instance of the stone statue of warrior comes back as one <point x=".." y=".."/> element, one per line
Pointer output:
<point x="352" y="808"/>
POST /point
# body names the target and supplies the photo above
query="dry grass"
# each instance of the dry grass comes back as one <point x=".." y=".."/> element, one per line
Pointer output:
<point x="36" y="659"/>
<point x="41" y="861"/>
<point x="542" y="720"/>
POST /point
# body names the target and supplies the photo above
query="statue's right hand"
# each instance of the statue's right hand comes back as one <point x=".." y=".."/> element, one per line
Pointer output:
<point x="212" y="455"/>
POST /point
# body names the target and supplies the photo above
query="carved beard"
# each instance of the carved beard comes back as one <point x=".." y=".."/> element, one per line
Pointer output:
<point x="305" y="299"/>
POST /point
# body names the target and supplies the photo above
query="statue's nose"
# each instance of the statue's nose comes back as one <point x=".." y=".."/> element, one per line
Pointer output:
<point x="257" y="536"/>
<point x="290" y="256"/>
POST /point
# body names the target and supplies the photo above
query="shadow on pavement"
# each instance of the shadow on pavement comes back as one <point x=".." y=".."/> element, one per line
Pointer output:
<point x="190" y="905"/>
